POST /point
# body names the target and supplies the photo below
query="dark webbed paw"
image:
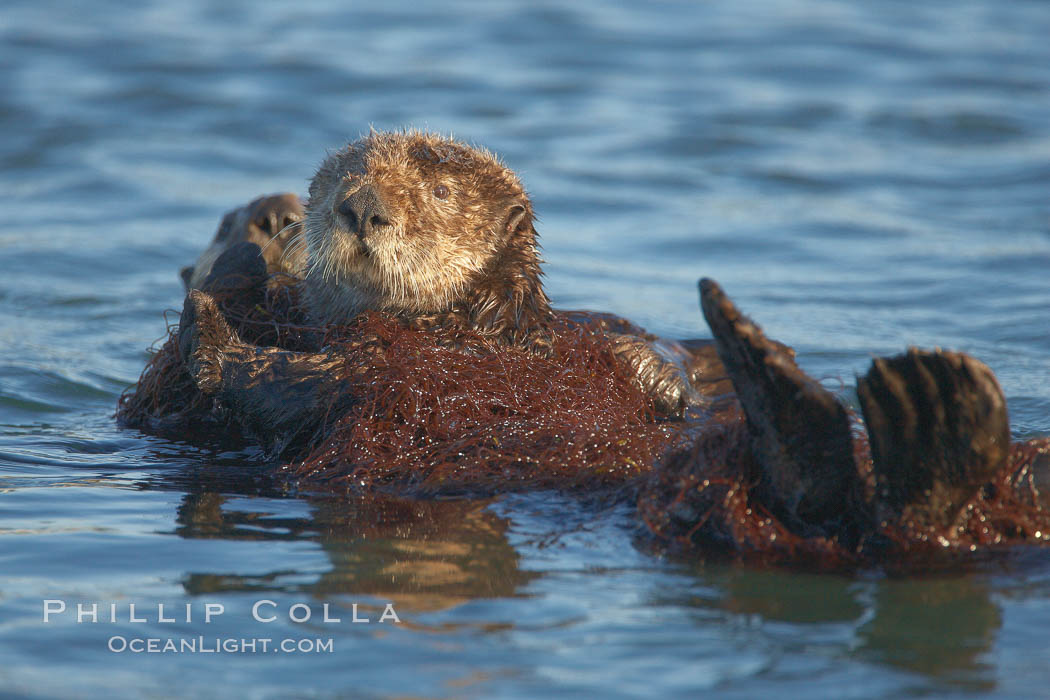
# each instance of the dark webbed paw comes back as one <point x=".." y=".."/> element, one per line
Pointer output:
<point x="800" y="433"/>
<point x="938" y="428"/>
<point x="241" y="267"/>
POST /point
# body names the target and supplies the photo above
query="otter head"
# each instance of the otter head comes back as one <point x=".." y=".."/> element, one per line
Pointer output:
<point x="269" y="222"/>
<point x="420" y="225"/>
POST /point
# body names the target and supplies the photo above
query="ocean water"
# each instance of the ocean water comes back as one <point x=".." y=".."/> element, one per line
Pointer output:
<point x="860" y="176"/>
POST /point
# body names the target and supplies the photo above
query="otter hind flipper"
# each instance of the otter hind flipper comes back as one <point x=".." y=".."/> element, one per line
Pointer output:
<point x="938" y="428"/>
<point x="800" y="433"/>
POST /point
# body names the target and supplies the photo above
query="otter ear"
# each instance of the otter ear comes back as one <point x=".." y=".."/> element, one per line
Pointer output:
<point x="518" y="218"/>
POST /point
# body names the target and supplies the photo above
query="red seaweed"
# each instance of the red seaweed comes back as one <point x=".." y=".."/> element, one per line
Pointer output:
<point x="439" y="412"/>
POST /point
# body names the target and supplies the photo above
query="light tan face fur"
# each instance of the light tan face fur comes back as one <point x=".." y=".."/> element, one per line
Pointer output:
<point x="432" y="249"/>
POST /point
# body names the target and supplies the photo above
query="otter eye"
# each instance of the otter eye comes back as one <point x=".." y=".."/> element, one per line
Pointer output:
<point x="441" y="192"/>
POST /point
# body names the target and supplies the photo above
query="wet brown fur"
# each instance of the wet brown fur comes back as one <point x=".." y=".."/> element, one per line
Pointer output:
<point x="467" y="261"/>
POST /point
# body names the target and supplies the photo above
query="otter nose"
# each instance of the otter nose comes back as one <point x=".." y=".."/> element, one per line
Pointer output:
<point x="364" y="211"/>
<point x="274" y="214"/>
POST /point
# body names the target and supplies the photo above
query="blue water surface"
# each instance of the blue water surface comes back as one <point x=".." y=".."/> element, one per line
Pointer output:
<point x="860" y="176"/>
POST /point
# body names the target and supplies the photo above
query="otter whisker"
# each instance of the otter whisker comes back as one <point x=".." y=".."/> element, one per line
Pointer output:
<point x="294" y="224"/>
<point x="295" y="246"/>
<point x="277" y="235"/>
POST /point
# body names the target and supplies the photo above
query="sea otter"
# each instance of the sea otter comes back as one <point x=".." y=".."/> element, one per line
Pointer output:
<point x="440" y="236"/>
<point x="269" y="222"/>
<point x="428" y="229"/>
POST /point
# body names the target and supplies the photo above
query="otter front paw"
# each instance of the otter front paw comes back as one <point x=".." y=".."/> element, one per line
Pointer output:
<point x="203" y="336"/>
<point x="659" y="375"/>
<point x="240" y="268"/>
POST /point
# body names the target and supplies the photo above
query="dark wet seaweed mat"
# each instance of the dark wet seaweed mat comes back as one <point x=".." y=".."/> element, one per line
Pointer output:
<point x="424" y="418"/>
<point x="437" y="412"/>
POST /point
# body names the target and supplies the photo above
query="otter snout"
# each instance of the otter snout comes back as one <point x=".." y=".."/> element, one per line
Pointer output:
<point x="364" y="211"/>
<point x="273" y="214"/>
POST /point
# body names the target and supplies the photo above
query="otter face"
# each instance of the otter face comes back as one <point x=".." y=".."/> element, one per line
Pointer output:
<point x="269" y="222"/>
<point x="407" y="223"/>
